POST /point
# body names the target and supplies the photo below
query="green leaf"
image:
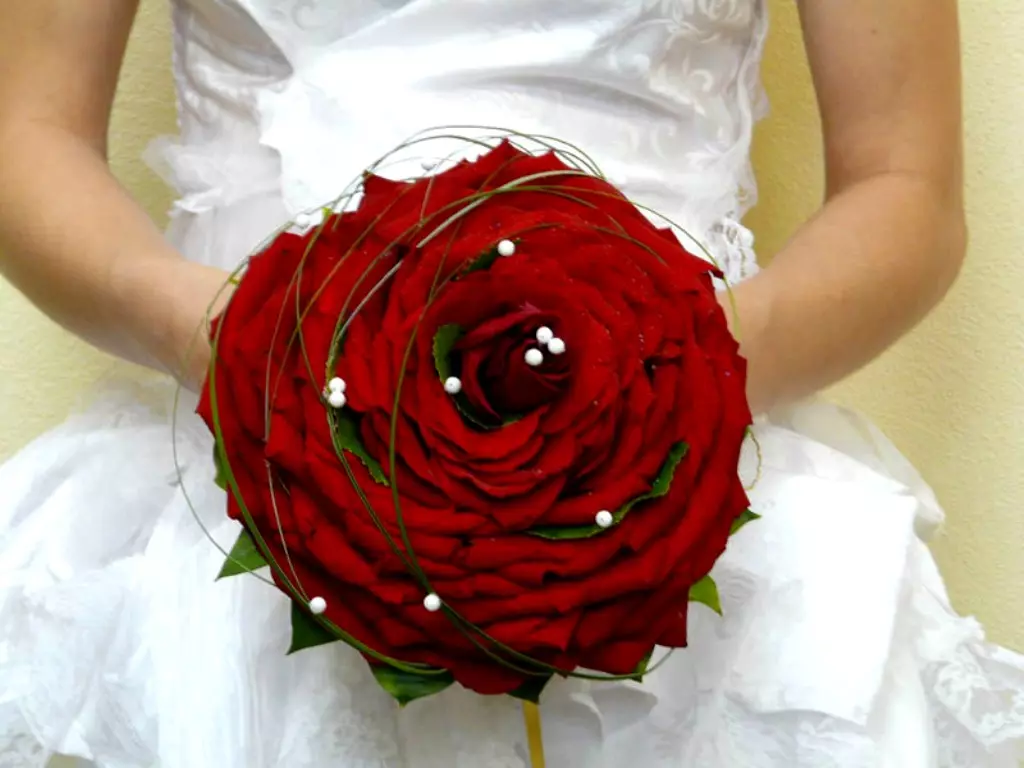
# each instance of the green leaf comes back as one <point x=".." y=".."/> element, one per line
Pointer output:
<point x="481" y="262"/>
<point x="244" y="557"/>
<point x="747" y="517"/>
<point x="444" y="340"/>
<point x="406" y="687"/>
<point x="661" y="485"/>
<point x="531" y="689"/>
<point x="641" y="668"/>
<point x="706" y="591"/>
<point x="663" y="482"/>
<point x="307" y="632"/>
<point x="220" y="476"/>
<point x="348" y="438"/>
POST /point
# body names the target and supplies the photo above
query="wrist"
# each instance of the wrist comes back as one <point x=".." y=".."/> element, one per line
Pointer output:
<point x="141" y="310"/>
<point x="162" y="304"/>
<point x="748" y="308"/>
<point x="202" y="294"/>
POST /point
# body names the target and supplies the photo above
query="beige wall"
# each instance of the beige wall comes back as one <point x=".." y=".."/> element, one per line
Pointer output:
<point x="951" y="395"/>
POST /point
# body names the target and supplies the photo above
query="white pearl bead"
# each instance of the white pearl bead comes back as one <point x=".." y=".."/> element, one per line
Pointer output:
<point x="317" y="605"/>
<point x="337" y="399"/>
<point x="453" y="385"/>
<point x="604" y="518"/>
<point x="556" y="346"/>
<point x="506" y="248"/>
<point x="544" y="335"/>
<point x="428" y="165"/>
<point x="432" y="603"/>
<point x="337" y="384"/>
<point x="534" y="357"/>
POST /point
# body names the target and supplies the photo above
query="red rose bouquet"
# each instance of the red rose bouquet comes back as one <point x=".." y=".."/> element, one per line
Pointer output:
<point x="482" y="425"/>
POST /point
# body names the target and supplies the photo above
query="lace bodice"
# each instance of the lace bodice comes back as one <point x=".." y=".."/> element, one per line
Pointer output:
<point x="297" y="96"/>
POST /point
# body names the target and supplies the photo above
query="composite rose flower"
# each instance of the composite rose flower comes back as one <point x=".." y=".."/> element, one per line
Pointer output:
<point x="485" y="427"/>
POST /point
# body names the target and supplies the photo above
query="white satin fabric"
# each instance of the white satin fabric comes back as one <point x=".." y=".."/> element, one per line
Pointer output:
<point x="837" y="647"/>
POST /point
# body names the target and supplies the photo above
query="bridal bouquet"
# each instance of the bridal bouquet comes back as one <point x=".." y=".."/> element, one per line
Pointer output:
<point x="483" y="425"/>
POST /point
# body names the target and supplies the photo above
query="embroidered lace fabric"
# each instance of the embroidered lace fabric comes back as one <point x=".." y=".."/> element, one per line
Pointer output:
<point x="837" y="647"/>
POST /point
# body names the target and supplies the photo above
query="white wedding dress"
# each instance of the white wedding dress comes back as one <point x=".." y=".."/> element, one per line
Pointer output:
<point x="838" y="647"/>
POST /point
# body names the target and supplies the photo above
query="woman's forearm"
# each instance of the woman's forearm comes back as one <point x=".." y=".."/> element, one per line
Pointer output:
<point x="876" y="258"/>
<point x="77" y="245"/>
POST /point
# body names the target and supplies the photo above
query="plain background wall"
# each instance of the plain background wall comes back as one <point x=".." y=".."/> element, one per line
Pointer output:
<point x="951" y="395"/>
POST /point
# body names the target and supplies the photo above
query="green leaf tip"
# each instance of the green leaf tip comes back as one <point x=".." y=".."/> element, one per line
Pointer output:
<point x="307" y="631"/>
<point x="347" y="433"/>
<point x="444" y="341"/>
<point x="705" y="591"/>
<point x="641" y="668"/>
<point x="481" y="262"/>
<point x="531" y="690"/>
<point x="406" y="687"/>
<point x="244" y="557"/>
<point x="748" y="516"/>
<point x="660" y="487"/>
<point x="220" y="477"/>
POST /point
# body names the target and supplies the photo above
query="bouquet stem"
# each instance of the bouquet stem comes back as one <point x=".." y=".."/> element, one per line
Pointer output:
<point x="534" y="736"/>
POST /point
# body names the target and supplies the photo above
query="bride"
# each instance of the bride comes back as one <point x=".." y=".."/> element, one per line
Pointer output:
<point x="838" y="646"/>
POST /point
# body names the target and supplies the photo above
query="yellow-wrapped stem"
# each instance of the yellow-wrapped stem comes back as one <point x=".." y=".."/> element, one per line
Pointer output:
<point x="534" y="736"/>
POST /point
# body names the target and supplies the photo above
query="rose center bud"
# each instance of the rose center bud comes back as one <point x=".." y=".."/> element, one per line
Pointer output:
<point x="507" y="375"/>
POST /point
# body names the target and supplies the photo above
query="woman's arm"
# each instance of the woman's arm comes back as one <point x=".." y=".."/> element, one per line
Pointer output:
<point x="890" y="238"/>
<point x="71" y="238"/>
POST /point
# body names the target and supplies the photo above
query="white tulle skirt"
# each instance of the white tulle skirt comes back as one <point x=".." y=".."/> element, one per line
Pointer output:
<point x="837" y="645"/>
